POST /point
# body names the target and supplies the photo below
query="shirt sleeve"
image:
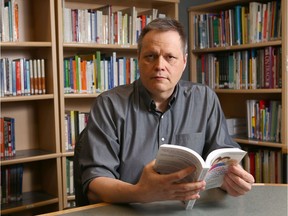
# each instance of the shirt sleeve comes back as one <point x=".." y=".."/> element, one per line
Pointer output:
<point x="217" y="135"/>
<point x="99" y="155"/>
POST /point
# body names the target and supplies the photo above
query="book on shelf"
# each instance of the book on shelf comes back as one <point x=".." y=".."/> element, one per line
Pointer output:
<point x="264" y="164"/>
<point x="238" y="25"/>
<point x="251" y="23"/>
<point x="11" y="183"/>
<point x="171" y="158"/>
<point x="105" y="25"/>
<point x="103" y="28"/>
<point x="7" y="139"/>
<point x="246" y="69"/>
<point x="126" y="29"/>
<point x="236" y="126"/>
<point x="22" y="77"/>
<point x="75" y="122"/>
<point x="148" y="15"/>
<point x="69" y="176"/>
<point x="97" y="72"/>
<point x="9" y="21"/>
<point x="264" y="120"/>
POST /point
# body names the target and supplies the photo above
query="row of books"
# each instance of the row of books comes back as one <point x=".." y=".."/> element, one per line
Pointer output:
<point x="22" y="77"/>
<point x="264" y="120"/>
<point x="7" y="138"/>
<point x="11" y="183"/>
<point x="252" y="23"/>
<point x="264" y="164"/>
<point x="237" y="126"/>
<point x="103" y="25"/>
<point x="9" y="23"/>
<point x="247" y="69"/>
<point x="91" y="73"/>
<point x="75" y="122"/>
<point x="69" y="176"/>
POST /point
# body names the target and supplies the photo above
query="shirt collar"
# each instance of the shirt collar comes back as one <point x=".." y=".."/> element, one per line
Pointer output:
<point x="149" y="102"/>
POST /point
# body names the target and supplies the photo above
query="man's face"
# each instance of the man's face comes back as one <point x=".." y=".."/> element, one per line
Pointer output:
<point x="161" y="62"/>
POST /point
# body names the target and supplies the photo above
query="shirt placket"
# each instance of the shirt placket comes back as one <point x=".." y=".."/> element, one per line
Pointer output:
<point x="163" y="128"/>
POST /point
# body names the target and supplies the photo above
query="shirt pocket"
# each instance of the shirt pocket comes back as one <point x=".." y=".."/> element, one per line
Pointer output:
<point x="190" y="140"/>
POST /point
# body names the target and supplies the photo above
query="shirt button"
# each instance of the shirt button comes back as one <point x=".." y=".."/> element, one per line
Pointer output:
<point x="162" y="116"/>
<point x="162" y="138"/>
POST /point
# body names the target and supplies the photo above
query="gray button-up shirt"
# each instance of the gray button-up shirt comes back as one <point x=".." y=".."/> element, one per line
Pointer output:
<point x="125" y="130"/>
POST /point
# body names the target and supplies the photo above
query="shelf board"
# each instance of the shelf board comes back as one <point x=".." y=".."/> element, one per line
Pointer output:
<point x="27" y="98"/>
<point x="68" y="154"/>
<point x="27" y="44"/>
<point x="137" y="3"/>
<point x="70" y="197"/>
<point x="258" y="142"/>
<point x="75" y="45"/>
<point x="248" y="91"/>
<point x="24" y="156"/>
<point x="81" y="95"/>
<point x="30" y="200"/>
<point x="238" y="47"/>
<point x="212" y="6"/>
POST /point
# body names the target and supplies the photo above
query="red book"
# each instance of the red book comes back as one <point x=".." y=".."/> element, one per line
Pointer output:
<point x="143" y="20"/>
<point x="252" y="163"/>
<point x="10" y="150"/>
<point x="18" y="77"/>
<point x="268" y="63"/>
<point x="2" y="137"/>
<point x="83" y="67"/>
<point x="128" y="72"/>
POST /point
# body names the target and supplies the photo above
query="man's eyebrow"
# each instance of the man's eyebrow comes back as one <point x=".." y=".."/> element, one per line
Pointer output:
<point x="150" y="52"/>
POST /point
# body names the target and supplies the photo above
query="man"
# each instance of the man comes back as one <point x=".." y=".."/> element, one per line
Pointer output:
<point x="128" y="124"/>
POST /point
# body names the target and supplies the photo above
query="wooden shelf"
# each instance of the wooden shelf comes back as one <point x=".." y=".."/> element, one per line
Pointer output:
<point x="255" y="142"/>
<point x="27" y="98"/>
<point x="68" y="154"/>
<point x="25" y="156"/>
<point x="30" y="200"/>
<point x="75" y="96"/>
<point x="238" y="47"/>
<point x="25" y="44"/>
<point x="248" y="91"/>
<point x="83" y="102"/>
<point x="99" y="46"/>
<point x="233" y="101"/>
<point x="37" y="132"/>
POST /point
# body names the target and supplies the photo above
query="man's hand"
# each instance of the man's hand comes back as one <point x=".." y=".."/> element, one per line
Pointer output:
<point x="153" y="186"/>
<point x="237" y="181"/>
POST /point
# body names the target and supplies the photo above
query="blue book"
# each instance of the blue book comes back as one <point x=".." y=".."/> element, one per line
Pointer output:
<point x="110" y="73"/>
<point x="1" y="78"/>
<point x="27" y="66"/>
<point x="14" y="78"/>
<point x="238" y="26"/>
<point x="12" y="122"/>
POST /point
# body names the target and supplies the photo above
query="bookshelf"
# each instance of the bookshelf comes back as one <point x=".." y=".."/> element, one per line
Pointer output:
<point x="37" y="136"/>
<point x="233" y="100"/>
<point x="78" y="101"/>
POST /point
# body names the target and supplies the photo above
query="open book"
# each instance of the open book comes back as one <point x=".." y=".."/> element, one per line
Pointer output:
<point x="171" y="158"/>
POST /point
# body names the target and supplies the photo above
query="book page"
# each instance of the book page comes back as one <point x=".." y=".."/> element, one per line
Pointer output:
<point x="172" y="158"/>
<point x="219" y="160"/>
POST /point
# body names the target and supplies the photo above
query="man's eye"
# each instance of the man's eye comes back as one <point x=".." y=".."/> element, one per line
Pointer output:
<point x="171" y="58"/>
<point x="150" y="57"/>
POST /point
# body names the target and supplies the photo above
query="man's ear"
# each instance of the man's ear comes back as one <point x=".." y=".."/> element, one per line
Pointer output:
<point x="185" y="61"/>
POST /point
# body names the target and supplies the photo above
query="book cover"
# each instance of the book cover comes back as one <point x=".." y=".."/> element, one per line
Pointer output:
<point x="238" y="25"/>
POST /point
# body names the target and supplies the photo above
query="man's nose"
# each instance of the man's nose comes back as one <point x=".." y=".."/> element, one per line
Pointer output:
<point x="160" y="63"/>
